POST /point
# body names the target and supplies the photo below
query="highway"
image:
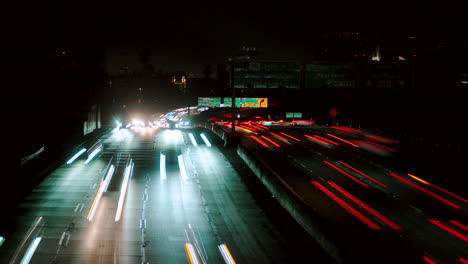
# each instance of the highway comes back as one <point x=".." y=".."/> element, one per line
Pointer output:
<point x="153" y="196"/>
<point x="379" y="213"/>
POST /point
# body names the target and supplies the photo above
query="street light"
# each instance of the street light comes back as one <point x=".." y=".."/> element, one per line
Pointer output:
<point x="246" y="54"/>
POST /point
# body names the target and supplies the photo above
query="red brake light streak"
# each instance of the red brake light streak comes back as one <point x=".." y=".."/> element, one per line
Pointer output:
<point x="450" y="230"/>
<point x="271" y="141"/>
<point x="290" y="136"/>
<point x="259" y="141"/>
<point x="354" y="145"/>
<point x="438" y="188"/>
<point x="426" y="191"/>
<point x="345" y="173"/>
<point x="381" y="139"/>
<point x="462" y="226"/>
<point x="347" y="206"/>
<point x="317" y="140"/>
<point x="367" y="207"/>
<point x="362" y="173"/>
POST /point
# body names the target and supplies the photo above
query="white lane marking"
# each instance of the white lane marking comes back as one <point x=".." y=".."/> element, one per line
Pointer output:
<point x="194" y="142"/>
<point x="207" y="142"/>
<point x="183" y="172"/>
<point x="61" y="238"/>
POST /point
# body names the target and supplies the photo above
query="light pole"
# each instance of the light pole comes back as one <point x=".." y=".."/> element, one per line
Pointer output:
<point x="246" y="54"/>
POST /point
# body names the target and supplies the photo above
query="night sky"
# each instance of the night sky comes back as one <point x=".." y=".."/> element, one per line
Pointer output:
<point x="185" y="35"/>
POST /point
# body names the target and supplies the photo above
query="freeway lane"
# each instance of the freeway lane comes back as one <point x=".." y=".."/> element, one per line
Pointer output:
<point x="375" y="210"/>
<point x="165" y="216"/>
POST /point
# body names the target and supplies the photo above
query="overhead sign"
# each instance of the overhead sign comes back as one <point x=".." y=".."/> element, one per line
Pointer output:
<point x="293" y="115"/>
<point x="246" y="102"/>
<point x="209" y="101"/>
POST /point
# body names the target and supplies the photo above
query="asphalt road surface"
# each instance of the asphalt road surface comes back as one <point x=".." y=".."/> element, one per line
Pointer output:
<point x="153" y="196"/>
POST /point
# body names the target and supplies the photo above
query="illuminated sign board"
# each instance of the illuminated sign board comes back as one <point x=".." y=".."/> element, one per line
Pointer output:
<point x="246" y="102"/>
<point x="209" y="101"/>
<point x="293" y="115"/>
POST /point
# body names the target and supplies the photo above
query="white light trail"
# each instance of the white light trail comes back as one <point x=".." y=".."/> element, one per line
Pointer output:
<point x="192" y="139"/>
<point x="30" y="252"/>
<point x="183" y="172"/>
<point x="162" y="167"/>
<point x="226" y="254"/>
<point x="205" y="139"/>
<point x="70" y="161"/>
<point x="93" y="154"/>
<point x="108" y="177"/>
<point x="95" y="204"/>
<point x="123" y="192"/>
<point x="1" y="240"/>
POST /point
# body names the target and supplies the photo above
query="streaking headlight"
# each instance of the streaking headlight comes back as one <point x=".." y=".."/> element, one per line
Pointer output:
<point x="186" y="123"/>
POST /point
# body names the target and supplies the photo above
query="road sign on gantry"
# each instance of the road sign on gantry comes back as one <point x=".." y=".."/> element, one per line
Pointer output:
<point x="247" y="102"/>
<point x="293" y="115"/>
<point x="209" y="101"/>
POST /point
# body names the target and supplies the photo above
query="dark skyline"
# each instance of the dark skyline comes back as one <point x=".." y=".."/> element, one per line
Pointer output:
<point x="185" y="36"/>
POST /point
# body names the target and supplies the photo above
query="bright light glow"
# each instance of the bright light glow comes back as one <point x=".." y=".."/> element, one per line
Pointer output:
<point x="205" y="139"/>
<point x="259" y="141"/>
<point x="108" y="177"/>
<point x="290" y="136"/>
<point x="354" y="145"/>
<point x="194" y="142"/>
<point x="347" y="206"/>
<point x="450" y="230"/>
<point x="462" y="260"/>
<point x="30" y="252"/>
<point x="363" y="174"/>
<point x="123" y="191"/>
<point x="365" y="206"/>
<point x="183" y="172"/>
<point x="226" y="254"/>
<point x="70" y="161"/>
<point x="426" y="191"/>
<point x="128" y="125"/>
<point x="1" y="240"/>
<point x="95" y="204"/>
<point x="345" y="173"/>
<point x="271" y="141"/>
<point x="137" y="122"/>
<point x="93" y="154"/>
<point x="190" y="251"/>
<point x="162" y="167"/>
<point x="438" y="188"/>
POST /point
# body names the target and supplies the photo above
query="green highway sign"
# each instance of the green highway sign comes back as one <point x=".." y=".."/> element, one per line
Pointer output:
<point x="246" y="102"/>
<point x="293" y="115"/>
<point x="209" y="101"/>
